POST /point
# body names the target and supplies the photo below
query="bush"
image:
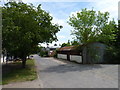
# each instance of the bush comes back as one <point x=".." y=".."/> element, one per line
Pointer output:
<point x="112" y="55"/>
<point x="43" y="53"/>
<point x="55" y="54"/>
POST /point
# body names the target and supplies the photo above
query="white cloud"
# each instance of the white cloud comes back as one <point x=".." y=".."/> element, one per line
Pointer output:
<point x="58" y="21"/>
<point x="108" y="5"/>
<point x="61" y="36"/>
<point x="74" y="13"/>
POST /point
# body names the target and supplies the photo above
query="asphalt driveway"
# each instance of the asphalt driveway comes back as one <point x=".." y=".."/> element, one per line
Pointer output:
<point x="55" y="73"/>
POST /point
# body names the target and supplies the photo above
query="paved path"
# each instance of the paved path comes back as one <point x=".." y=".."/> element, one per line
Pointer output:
<point x="27" y="84"/>
<point x="64" y="74"/>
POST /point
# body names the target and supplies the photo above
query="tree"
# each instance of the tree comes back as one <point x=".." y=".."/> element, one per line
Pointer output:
<point x="24" y="27"/>
<point x="90" y="26"/>
<point x="117" y="42"/>
<point x="66" y="44"/>
<point x="74" y="42"/>
<point x="55" y="44"/>
<point x="63" y="45"/>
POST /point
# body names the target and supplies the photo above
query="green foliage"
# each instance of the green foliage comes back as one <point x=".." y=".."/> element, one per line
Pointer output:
<point x="113" y="51"/>
<point x="117" y="42"/>
<point x="75" y="43"/>
<point x="66" y="44"/>
<point x="55" y="55"/>
<point x="24" y="26"/>
<point x="90" y="26"/>
<point x="43" y="53"/>
<point x="70" y="43"/>
<point x="112" y="55"/>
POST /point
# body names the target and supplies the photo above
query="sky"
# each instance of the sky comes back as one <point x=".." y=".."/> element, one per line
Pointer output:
<point x="60" y="10"/>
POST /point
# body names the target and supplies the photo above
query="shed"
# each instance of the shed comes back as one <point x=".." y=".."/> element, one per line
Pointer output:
<point x="89" y="53"/>
<point x="93" y="53"/>
<point x="71" y="53"/>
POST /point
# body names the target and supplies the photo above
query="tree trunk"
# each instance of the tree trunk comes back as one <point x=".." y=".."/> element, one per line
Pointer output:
<point x="3" y="58"/>
<point x="24" y="62"/>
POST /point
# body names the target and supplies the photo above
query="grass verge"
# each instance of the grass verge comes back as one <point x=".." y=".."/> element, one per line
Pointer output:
<point x="18" y="74"/>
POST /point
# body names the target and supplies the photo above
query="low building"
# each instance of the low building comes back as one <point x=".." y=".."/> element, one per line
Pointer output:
<point x="71" y="53"/>
<point x="52" y="50"/>
<point x="87" y="54"/>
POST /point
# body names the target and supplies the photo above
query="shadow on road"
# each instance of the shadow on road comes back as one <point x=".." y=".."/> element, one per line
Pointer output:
<point x="69" y="68"/>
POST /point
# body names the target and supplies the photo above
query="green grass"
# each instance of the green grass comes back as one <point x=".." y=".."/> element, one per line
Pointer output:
<point x="0" y="82"/>
<point x="19" y="74"/>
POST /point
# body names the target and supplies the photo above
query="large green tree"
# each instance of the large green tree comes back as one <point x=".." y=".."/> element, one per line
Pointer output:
<point x="24" y="26"/>
<point x="90" y="26"/>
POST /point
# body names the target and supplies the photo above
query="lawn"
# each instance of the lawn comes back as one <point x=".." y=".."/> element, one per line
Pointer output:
<point x="18" y="74"/>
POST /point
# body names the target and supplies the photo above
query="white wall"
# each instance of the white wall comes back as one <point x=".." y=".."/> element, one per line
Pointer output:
<point x="62" y="56"/>
<point x="2" y="59"/>
<point x="76" y="58"/>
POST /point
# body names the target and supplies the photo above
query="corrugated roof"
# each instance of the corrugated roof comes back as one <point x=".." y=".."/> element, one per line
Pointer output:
<point x="68" y="48"/>
<point x="76" y="47"/>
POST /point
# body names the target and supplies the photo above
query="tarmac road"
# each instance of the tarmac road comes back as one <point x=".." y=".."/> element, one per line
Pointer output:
<point x="55" y="73"/>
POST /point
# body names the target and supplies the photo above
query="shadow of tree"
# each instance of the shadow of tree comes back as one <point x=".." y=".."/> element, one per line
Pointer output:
<point x="13" y="72"/>
<point x="7" y="68"/>
<point x="63" y="68"/>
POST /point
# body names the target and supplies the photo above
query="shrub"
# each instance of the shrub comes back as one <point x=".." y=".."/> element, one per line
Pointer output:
<point x="43" y="53"/>
<point x="112" y="55"/>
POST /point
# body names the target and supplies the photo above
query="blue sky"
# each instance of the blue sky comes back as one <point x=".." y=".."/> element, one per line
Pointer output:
<point x="60" y="10"/>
